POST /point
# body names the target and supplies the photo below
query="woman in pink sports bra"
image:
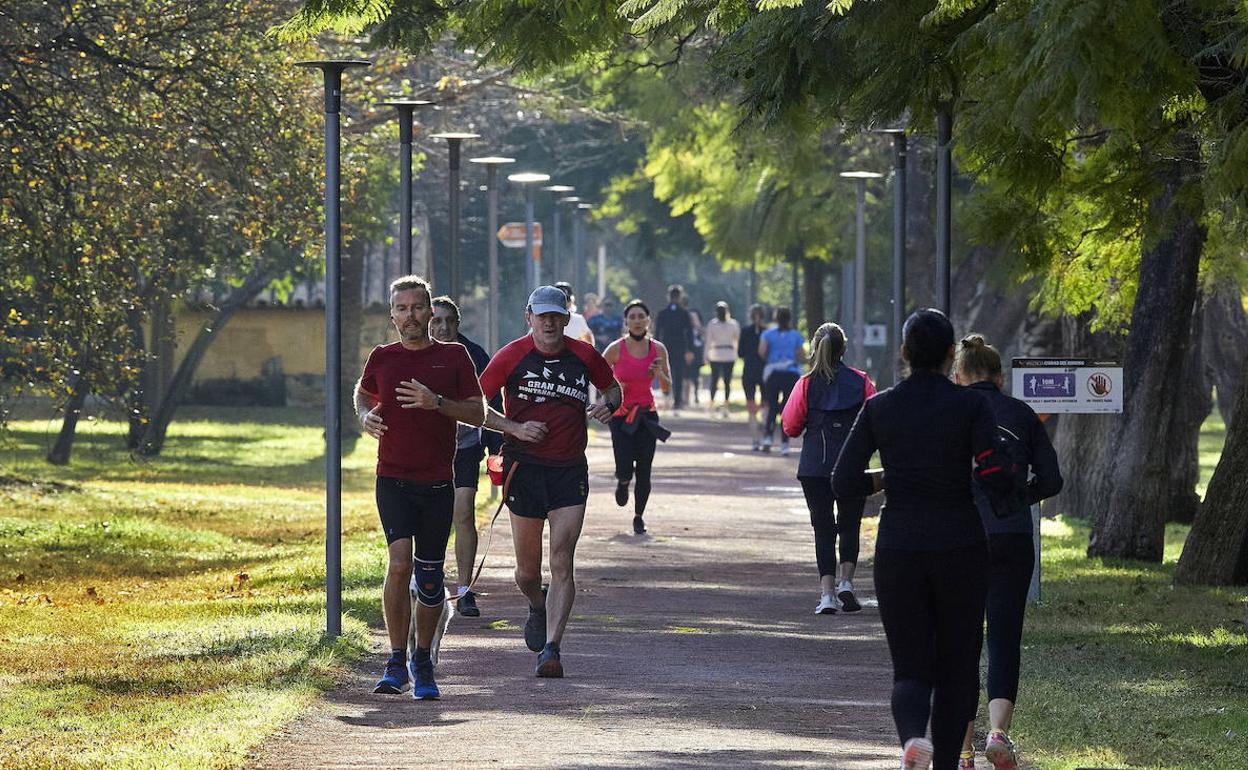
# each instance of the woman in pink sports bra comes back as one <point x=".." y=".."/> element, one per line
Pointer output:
<point x="637" y="358"/>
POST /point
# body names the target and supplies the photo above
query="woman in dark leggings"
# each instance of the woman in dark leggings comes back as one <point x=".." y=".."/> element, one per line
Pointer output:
<point x="784" y="351"/>
<point x="824" y="405"/>
<point x="931" y="556"/>
<point x="636" y="359"/>
<point x="1011" y="548"/>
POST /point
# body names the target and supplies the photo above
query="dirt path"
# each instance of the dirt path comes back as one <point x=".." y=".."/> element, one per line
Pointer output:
<point x="692" y="647"/>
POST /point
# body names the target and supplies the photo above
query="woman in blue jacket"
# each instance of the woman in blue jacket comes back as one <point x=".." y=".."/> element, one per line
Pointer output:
<point x="824" y="405"/>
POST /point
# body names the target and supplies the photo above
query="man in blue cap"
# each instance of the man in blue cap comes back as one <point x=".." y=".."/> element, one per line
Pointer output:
<point x="545" y="377"/>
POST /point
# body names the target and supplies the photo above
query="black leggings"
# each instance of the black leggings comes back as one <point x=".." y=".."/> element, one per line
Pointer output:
<point x="847" y="522"/>
<point x="634" y="456"/>
<point x="1011" y="558"/>
<point x="932" y="603"/>
<point x="721" y="370"/>
<point x="776" y="390"/>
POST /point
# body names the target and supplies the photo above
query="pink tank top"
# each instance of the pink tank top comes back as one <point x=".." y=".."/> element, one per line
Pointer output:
<point x="634" y="377"/>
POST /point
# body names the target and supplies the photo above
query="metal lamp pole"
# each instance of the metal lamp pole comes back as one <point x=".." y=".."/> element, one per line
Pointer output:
<point x="453" y="141"/>
<point x="491" y="164"/>
<point x="533" y="268"/>
<point x="557" y="251"/>
<point x="860" y="260"/>
<point x="577" y="263"/>
<point x="944" y="205"/>
<point x="578" y="231"/>
<point x="899" y="244"/>
<point x="406" y="108"/>
<point x="332" y="70"/>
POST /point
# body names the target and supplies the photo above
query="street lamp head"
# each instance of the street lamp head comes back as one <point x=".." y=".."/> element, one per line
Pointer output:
<point x="584" y="206"/>
<point x="410" y="104"/>
<point x="570" y="199"/>
<point x="453" y="136"/>
<point x="492" y="160"/>
<point x="861" y="175"/>
<point x="334" y="64"/>
<point x="559" y="188"/>
<point x="528" y="177"/>
<point x="888" y="130"/>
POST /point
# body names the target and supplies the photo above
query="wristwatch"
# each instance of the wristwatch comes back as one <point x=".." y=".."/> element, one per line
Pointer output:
<point x="439" y="402"/>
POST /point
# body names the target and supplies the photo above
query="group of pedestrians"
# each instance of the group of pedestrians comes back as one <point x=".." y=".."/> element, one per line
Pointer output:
<point x="953" y="544"/>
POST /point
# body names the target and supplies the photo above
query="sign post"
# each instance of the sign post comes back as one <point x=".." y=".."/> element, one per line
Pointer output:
<point x="1065" y="386"/>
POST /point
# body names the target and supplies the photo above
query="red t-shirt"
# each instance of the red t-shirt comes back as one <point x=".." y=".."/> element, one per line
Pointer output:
<point x="418" y="444"/>
<point x="550" y="389"/>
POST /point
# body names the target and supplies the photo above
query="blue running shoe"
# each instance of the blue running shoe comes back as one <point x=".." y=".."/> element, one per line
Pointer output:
<point x="394" y="681"/>
<point x="426" y="688"/>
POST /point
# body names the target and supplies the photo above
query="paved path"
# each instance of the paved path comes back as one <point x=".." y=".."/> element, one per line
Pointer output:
<point x="692" y="647"/>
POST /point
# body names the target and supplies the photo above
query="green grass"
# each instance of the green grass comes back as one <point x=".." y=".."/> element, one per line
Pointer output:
<point x="169" y="612"/>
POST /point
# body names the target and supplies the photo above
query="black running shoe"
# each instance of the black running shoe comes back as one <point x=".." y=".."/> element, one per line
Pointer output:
<point x="621" y="494"/>
<point x="535" y="629"/>
<point x="639" y="525"/>
<point x="466" y="605"/>
<point x="548" y="664"/>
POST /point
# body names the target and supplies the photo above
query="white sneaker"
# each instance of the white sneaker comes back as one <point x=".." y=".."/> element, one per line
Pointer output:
<point x="828" y="605"/>
<point x="917" y="755"/>
<point x="784" y="448"/>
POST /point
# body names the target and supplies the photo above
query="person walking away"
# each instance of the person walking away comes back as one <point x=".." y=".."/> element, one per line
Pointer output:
<point x="410" y="397"/>
<point x="472" y="445"/>
<point x="693" y="380"/>
<point x="931" y="554"/>
<point x="1011" y="548"/>
<point x="636" y="360"/>
<point x="824" y="404"/>
<point x="578" y="327"/>
<point x="674" y="329"/>
<point x="608" y="325"/>
<point x="722" y="335"/>
<point x="545" y="377"/>
<point x="783" y="349"/>
<point x="752" y="365"/>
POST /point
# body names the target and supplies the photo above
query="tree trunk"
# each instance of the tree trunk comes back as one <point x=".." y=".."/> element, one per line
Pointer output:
<point x="814" y="275"/>
<point x="79" y="389"/>
<point x="352" y="324"/>
<point x="1084" y="441"/>
<point x="1141" y="484"/>
<point x="1225" y="341"/>
<point x="154" y="438"/>
<point x="136" y="403"/>
<point x="1216" y="551"/>
<point x="1193" y="402"/>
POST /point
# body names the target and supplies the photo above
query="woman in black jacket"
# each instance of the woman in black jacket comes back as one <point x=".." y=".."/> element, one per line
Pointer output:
<point x="931" y="556"/>
<point x="1011" y="547"/>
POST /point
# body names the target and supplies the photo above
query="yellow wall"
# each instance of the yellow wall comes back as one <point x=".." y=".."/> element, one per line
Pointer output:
<point x="256" y="335"/>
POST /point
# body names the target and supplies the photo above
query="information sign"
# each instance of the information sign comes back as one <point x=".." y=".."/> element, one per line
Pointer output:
<point x="1068" y="385"/>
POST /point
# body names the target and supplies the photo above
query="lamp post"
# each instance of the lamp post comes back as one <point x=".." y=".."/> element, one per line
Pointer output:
<point x="533" y="268"/>
<point x="558" y="190"/>
<point x="332" y="70"/>
<point x="453" y="141"/>
<point x="944" y="204"/>
<point x="577" y="263"/>
<point x="406" y="108"/>
<point x="860" y="260"/>
<point x="899" y="244"/>
<point x="491" y="164"/>
<point x="578" y="229"/>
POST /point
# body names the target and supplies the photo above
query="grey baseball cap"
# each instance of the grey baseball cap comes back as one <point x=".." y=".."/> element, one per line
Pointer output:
<point x="548" y="299"/>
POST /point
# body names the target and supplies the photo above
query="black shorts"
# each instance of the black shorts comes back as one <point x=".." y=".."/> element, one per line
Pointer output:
<point x="536" y="490"/>
<point x="421" y="510"/>
<point x="468" y="466"/>
<point x="752" y="384"/>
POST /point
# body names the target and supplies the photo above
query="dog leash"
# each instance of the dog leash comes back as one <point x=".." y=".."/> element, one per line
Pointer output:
<point x="502" y="500"/>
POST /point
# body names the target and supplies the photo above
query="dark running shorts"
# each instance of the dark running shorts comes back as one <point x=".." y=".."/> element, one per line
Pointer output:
<point x="421" y="510"/>
<point x="468" y="466"/>
<point x="536" y="490"/>
<point x="752" y="384"/>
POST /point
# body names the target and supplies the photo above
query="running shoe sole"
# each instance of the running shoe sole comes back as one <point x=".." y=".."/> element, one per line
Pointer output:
<point x="550" y="669"/>
<point x="1001" y="755"/>
<point x="917" y="755"/>
<point x="389" y="689"/>
<point x="849" y="603"/>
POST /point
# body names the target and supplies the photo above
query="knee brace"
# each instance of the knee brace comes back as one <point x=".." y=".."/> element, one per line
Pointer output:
<point x="428" y="578"/>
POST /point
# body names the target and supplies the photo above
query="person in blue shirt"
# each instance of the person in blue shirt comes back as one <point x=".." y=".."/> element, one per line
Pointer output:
<point x="1011" y="547"/>
<point x="607" y="325"/>
<point x="783" y="350"/>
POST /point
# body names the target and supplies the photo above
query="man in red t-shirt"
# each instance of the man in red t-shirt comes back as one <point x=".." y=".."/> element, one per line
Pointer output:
<point x="545" y="379"/>
<point x="410" y="397"/>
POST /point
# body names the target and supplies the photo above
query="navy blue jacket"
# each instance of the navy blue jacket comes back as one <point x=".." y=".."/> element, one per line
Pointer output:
<point x="1019" y="418"/>
<point x="927" y="430"/>
<point x="825" y="411"/>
